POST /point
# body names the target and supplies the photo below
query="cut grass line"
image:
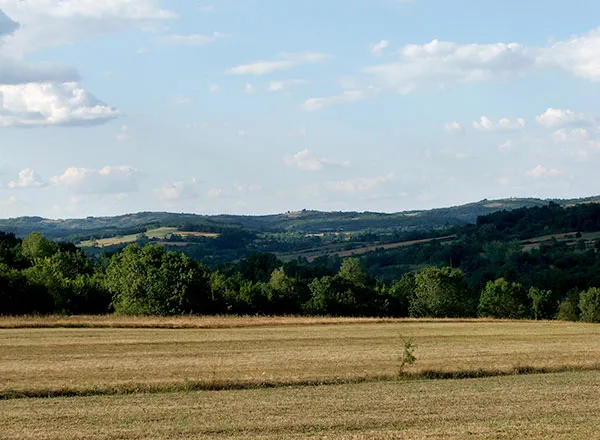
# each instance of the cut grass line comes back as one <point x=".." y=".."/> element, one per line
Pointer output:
<point x="201" y="322"/>
<point x="231" y="385"/>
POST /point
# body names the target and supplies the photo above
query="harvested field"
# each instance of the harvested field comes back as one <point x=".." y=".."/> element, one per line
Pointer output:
<point x="71" y="361"/>
<point x="553" y="406"/>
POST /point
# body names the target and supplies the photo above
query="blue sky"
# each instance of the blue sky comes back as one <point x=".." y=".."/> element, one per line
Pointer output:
<point x="264" y="106"/>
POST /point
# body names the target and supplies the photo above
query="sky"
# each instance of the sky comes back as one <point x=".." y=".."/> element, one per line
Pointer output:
<point x="264" y="106"/>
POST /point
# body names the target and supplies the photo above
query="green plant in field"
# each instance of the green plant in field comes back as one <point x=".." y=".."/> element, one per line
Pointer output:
<point x="407" y="355"/>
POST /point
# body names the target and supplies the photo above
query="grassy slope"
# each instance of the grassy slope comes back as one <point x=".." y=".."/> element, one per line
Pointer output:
<point x="556" y="406"/>
<point x="88" y="360"/>
<point x="157" y="233"/>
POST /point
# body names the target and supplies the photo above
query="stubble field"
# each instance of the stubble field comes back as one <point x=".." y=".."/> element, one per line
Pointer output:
<point x="295" y="378"/>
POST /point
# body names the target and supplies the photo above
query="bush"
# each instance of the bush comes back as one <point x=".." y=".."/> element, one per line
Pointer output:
<point x="567" y="311"/>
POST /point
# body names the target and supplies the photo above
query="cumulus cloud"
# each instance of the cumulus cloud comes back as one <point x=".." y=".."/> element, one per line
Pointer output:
<point x="108" y="180"/>
<point x="557" y="118"/>
<point x="27" y="178"/>
<point x="38" y="94"/>
<point x="286" y="61"/>
<point x="580" y="56"/>
<point x="345" y="97"/>
<point x="180" y="190"/>
<point x="305" y="161"/>
<point x="502" y="125"/>
<point x="40" y="104"/>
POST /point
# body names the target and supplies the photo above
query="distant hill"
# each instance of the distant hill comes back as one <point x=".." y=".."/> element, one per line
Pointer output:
<point x="307" y="222"/>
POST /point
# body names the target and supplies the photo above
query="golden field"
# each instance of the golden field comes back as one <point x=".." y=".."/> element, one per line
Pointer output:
<point x="295" y="378"/>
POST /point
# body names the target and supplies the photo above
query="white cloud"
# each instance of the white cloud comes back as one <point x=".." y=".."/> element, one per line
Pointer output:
<point x="287" y="61"/>
<point x="248" y="89"/>
<point x="39" y="104"/>
<point x="454" y="127"/>
<point x="508" y="145"/>
<point x="377" y="49"/>
<point x="502" y="125"/>
<point x="214" y="88"/>
<point x="579" y="56"/>
<point x="557" y="118"/>
<point x="281" y="86"/>
<point x="180" y="190"/>
<point x="305" y="161"/>
<point x="51" y="22"/>
<point x="27" y="178"/>
<point x="540" y="171"/>
<point x="192" y="39"/>
<point x="359" y="185"/>
<point x="108" y="180"/>
<point x="14" y="69"/>
<point x="345" y="97"/>
<point x="440" y="63"/>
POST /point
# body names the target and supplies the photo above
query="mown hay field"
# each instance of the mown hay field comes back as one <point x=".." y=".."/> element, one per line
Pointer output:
<point x="549" y="406"/>
<point x="51" y="361"/>
<point x="296" y="378"/>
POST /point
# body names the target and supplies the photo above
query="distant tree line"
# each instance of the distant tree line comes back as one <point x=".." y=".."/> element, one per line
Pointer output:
<point x="484" y="272"/>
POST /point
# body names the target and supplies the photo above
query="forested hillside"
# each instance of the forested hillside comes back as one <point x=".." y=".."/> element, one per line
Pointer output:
<point x="541" y="262"/>
<point x="308" y="222"/>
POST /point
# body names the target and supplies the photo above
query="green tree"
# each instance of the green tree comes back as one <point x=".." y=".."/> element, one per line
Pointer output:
<point x="286" y="294"/>
<point x="330" y="296"/>
<point x="18" y="296"/>
<point x="501" y="299"/>
<point x="589" y="304"/>
<point x="440" y="293"/>
<point x="152" y="281"/>
<point x="400" y="294"/>
<point x="542" y="303"/>
<point x="351" y="271"/>
<point x="36" y="246"/>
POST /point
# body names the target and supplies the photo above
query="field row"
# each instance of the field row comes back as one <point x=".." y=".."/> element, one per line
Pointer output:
<point x="554" y="406"/>
<point x="77" y="360"/>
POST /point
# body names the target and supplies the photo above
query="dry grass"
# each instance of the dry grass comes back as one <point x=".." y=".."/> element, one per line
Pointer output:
<point x="557" y="406"/>
<point x="155" y="234"/>
<point x="175" y="322"/>
<point x="57" y="361"/>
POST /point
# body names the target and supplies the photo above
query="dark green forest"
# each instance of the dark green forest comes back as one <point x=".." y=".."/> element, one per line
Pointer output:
<point x="540" y="262"/>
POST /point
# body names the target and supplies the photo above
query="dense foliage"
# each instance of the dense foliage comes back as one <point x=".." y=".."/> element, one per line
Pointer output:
<point x="486" y="269"/>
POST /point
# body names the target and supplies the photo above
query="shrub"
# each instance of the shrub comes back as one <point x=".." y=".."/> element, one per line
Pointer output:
<point x="567" y="311"/>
